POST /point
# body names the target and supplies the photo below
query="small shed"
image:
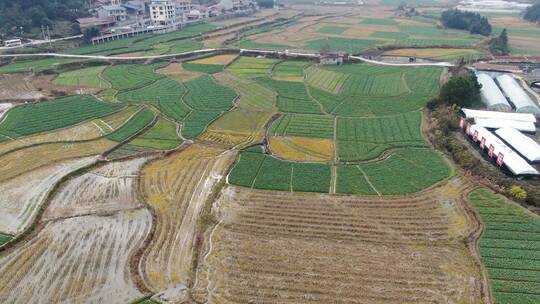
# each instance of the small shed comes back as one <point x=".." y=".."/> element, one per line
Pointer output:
<point x="333" y="58"/>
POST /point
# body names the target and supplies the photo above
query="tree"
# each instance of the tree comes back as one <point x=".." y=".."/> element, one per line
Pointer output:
<point x="462" y="90"/>
<point x="499" y="45"/>
<point x="517" y="193"/>
<point x="265" y="3"/>
<point x="461" y="20"/>
<point x="532" y="13"/>
<point x="90" y="33"/>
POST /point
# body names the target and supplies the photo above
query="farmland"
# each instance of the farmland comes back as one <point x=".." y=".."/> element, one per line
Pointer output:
<point x="260" y="246"/>
<point x="41" y="117"/>
<point x="509" y="248"/>
<point x="239" y="176"/>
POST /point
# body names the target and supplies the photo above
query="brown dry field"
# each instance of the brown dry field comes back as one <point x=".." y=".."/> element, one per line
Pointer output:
<point x="302" y="148"/>
<point x="219" y="59"/>
<point x="280" y="247"/>
<point x="176" y="71"/>
<point x="528" y="43"/>
<point x="24" y="86"/>
<point x="27" y="159"/>
<point x="176" y="188"/>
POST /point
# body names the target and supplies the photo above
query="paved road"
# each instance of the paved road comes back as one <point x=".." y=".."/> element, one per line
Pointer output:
<point x="204" y="51"/>
<point x="38" y="42"/>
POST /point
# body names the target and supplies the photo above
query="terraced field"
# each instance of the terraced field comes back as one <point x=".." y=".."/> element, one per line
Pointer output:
<point x="509" y="248"/>
<point x="403" y="172"/>
<point x="177" y="188"/>
<point x="360" y="250"/>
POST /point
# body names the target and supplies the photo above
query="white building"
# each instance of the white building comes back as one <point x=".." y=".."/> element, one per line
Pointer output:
<point x="117" y="12"/>
<point x="166" y="12"/>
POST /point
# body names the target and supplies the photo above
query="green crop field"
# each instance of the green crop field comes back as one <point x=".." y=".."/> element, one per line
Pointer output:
<point x="330" y="29"/>
<point x="4" y="238"/>
<point x="162" y="136"/>
<point x="205" y="94"/>
<point x="197" y="121"/>
<point x="325" y="79"/>
<point x="250" y="44"/>
<point x="36" y="65"/>
<point x="260" y="171"/>
<point x="510" y="248"/>
<point x="203" y="68"/>
<point x="252" y="67"/>
<point x="165" y="94"/>
<point x="406" y="171"/>
<point x="292" y="96"/>
<point x="376" y="21"/>
<point x="352" y="46"/>
<point x="305" y="125"/>
<point x="132" y="76"/>
<point x="50" y="115"/>
<point x="390" y="35"/>
<point x="290" y="69"/>
<point x="137" y="123"/>
<point x="352" y="180"/>
<point x="366" y="138"/>
<point x="87" y="77"/>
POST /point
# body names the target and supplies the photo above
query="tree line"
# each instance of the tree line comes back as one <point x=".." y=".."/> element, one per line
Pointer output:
<point x="463" y="20"/>
<point x="532" y="13"/>
<point x="22" y="17"/>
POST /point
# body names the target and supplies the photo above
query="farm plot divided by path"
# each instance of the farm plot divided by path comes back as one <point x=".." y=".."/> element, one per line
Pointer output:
<point x="322" y="249"/>
<point x="177" y="187"/>
<point x="510" y="248"/>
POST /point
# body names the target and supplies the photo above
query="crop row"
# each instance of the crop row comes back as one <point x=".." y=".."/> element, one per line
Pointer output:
<point x="252" y="67"/>
<point x="132" y="76"/>
<point x="203" y="68"/>
<point x="290" y="69"/>
<point x="205" y="94"/>
<point x="509" y="248"/>
<point x="138" y="122"/>
<point x="304" y="125"/>
<point x="162" y="136"/>
<point x="50" y="115"/>
<point x="325" y="79"/>
<point x="404" y="172"/>
<point x="292" y="96"/>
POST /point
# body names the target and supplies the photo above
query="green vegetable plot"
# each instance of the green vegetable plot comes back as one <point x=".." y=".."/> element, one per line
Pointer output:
<point x="510" y="248"/>
<point x="138" y="122"/>
<point x="50" y="115"/>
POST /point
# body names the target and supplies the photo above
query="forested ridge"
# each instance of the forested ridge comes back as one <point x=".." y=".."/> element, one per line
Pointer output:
<point x="25" y="17"/>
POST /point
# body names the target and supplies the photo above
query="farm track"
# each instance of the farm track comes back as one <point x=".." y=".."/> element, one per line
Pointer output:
<point x="361" y="250"/>
<point x="176" y="189"/>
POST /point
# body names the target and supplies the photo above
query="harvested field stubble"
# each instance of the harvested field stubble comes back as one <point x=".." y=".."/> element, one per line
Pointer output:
<point x="176" y="188"/>
<point x="21" y="197"/>
<point x="108" y="188"/>
<point x="321" y="249"/>
<point x="76" y="260"/>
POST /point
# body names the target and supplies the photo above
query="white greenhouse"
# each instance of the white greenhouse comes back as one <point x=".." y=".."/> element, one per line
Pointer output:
<point x="495" y="123"/>
<point x="491" y="95"/>
<point x="522" y="102"/>
<point x="469" y="113"/>
<point x="525" y="145"/>
<point x="511" y="159"/>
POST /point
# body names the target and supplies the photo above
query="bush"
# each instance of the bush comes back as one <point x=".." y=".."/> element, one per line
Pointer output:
<point x="463" y="90"/>
<point x="517" y="193"/>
